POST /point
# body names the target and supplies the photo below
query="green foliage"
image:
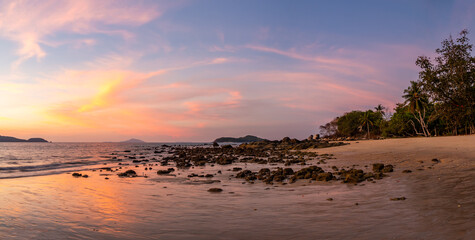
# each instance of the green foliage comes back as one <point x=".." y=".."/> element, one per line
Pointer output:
<point x="354" y="124"/>
<point x="441" y="102"/>
<point x="450" y="82"/>
<point x="400" y="123"/>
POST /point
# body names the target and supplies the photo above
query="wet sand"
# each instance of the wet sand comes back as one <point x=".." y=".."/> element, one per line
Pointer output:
<point x="439" y="200"/>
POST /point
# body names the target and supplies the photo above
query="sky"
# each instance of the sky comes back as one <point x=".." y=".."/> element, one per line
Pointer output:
<point x="168" y="71"/>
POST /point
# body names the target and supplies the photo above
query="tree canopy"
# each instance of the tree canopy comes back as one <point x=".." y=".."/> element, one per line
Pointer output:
<point x="440" y="102"/>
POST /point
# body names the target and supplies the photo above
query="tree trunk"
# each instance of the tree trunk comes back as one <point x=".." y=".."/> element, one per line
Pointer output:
<point x="422" y="123"/>
<point x="367" y="125"/>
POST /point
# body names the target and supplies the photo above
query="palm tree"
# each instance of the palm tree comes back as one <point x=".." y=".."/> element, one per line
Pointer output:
<point x="417" y="104"/>
<point x="366" y="120"/>
<point x="380" y="109"/>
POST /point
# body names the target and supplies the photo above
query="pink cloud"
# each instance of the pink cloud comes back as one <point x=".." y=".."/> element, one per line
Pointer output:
<point x="30" y="22"/>
<point x="341" y="65"/>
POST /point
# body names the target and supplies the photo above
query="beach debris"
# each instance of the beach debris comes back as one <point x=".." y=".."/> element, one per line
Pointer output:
<point x="398" y="199"/>
<point x="215" y="190"/>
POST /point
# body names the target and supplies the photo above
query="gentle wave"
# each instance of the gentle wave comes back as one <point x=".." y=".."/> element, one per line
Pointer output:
<point x="50" y="166"/>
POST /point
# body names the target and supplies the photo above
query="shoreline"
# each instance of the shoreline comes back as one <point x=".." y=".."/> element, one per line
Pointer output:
<point x="179" y="207"/>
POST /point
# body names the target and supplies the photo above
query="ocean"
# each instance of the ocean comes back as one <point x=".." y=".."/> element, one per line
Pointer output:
<point x="37" y="159"/>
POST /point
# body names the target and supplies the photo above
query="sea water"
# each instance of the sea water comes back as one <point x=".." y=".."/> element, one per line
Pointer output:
<point x="40" y="199"/>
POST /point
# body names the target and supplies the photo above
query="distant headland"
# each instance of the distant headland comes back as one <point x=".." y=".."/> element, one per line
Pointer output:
<point x="248" y="138"/>
<point x="13" y="139"/>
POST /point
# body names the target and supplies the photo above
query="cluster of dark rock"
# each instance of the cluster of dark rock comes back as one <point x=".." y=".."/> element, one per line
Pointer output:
<point x="286" y="153"/>
<point x="315" y="173"/>
<point x="128" y="173"/>
<point x="186" y="157"/>
<point x="291" y="144"/>
<point x="80" y="175"/>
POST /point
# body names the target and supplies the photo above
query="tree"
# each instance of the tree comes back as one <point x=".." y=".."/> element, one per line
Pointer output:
<point x="380" y="109"/>
<point x="329" y="129"/>
<point x="401" y="122"/>
<point x="366" y="120"/>
<point x="450" y="81"/>
<point x="417" y="102"/>
<point x="349" y="124"/>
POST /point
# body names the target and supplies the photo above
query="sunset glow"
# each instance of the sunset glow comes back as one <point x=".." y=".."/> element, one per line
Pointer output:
<point x="196" y="70"/>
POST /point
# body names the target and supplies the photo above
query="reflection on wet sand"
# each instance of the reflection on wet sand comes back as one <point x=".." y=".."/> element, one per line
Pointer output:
<point x="438" y="203"/>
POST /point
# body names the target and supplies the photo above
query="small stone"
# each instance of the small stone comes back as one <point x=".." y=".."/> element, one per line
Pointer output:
<point x="215" y="190"/>
<point x="329" y="199"/>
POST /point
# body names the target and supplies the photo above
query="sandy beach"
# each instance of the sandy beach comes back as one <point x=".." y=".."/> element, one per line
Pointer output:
<point x="439" y="200"/>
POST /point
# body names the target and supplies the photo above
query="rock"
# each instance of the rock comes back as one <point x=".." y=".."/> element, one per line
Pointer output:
<point x="435" y="160"/>
<point x="224" y="160"/>
<point x="215" y="144"/>
<point x="215" y="190"/>
<point x="387" y="168"/>
<point x="407" y="171"/>
<point x="163" y="172"/>
<point x="377" y="167"/>
<point x="354" y="176"/>
<point x="77" y="174"/>
<point x="128" y="173"/>
<point x="247" y="174"/>
<point x="329" y="199"/>
<point x="327" y="176"/>
<point x="288" y="171"/>
<point x="285" y="140"/>
<point x="85" y="176"/>
<point x="236" y="169"/>
<point x="209" y="175"/>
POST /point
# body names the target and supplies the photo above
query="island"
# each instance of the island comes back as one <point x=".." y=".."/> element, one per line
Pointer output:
<point x="248" y="138"/>
<point x="133" y="140"/>
<point x="13" y="139"/>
